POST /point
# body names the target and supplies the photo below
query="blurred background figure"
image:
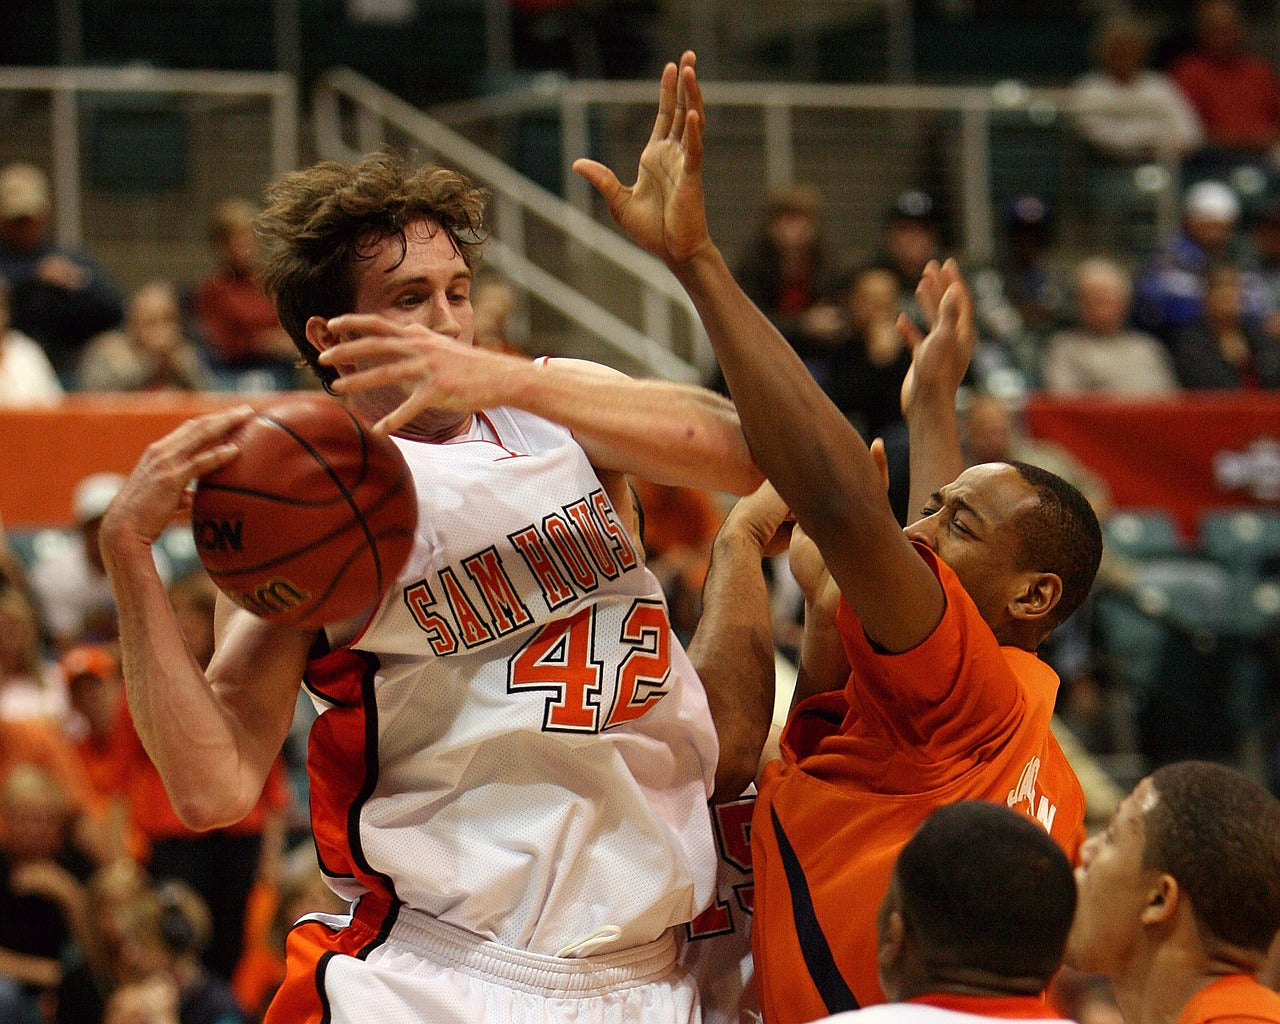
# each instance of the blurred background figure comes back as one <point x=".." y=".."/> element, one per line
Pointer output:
<point x="1235" y="93"/>
<point x="1022" y="299"/>
<point x="789" y="274"/>
<point x="244" y="336"/>
<point x="867" y="369"/>
<point x="1221" y="349"/>
<point x="1129" y="116"/>
<point x="494" y="305"/>
<point x="150" y="353"/>
<point x="27" y="378"/>
<point x="61" y="297"/>
<point x="1103" y="354"/>
<point x="29" y="688"/>
<point x="911" y="237"/>
<point x="69" y="580"/>
<point x="1170" y="290"/>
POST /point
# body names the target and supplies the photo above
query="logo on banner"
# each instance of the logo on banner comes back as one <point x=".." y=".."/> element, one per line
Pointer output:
<point x="1256" y="470"/>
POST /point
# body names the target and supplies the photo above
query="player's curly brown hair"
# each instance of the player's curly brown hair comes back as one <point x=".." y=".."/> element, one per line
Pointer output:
<point x="320" y="222"/>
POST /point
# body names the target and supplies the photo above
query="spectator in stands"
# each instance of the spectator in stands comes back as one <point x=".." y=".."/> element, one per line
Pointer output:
<point x="29" y="689"/>
<point x="1021" y="300"/>
<point x="975" y="919"/>
<point x="41" y="895"/>
<point x="493" y="303"/>
<point x="869" y="366"/>
<point x="149" y="353"/>
<point x="240" y="325"/>
<point x="164" y="932"/>
<point x="27" y="377"/>
<point x="911" y="238"/>
<point x="61" y="298"/>
<point x="1103" y="355"/>
<point x="70" y="583"/>
<point x="1179" y="898"/>
<point x="789" y="274"/>
<point x="1170" y="291"/>
<point x="1222" y="349"/>
<point x="99" y="728"/>
<point x="1236" y="93"/>
<point x="1128" y="115"/>
<point x="1265" y="241"/>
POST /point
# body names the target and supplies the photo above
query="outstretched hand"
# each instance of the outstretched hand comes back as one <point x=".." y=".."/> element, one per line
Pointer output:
<point x="664" y="211"/>
<point x="939" y="359"/>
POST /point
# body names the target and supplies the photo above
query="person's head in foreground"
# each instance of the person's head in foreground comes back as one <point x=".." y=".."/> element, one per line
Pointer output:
<point x="374" y="237"/>
<point x="980" y="903"/>
<point x="1184" y="882"/>
<point x="1023" y="542"/>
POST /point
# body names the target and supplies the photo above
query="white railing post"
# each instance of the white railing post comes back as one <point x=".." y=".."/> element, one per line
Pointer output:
<point x="575" y="141"/>
<point x="66" y="163"/>
<point x="779" y="149"/>
<point x="975" y="181"/>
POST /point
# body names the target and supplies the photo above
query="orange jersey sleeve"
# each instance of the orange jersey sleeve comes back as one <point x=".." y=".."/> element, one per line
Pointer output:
<point x="958" y="717"/>
<point x="1234" y="999"/>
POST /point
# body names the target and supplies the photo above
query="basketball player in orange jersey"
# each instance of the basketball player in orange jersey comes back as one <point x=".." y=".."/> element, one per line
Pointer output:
<point x="1179" y="898"/>
<point x="932" y="692"/>
<point x="510" y="767"/>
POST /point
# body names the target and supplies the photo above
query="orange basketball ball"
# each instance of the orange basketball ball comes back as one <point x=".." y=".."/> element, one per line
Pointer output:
<point x="312" y="520"/>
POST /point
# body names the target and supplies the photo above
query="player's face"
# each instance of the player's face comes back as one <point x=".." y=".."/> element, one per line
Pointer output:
<point x="1114" y="889"/>
<point x="972" y="525"/>
<point x="430" y="286"/>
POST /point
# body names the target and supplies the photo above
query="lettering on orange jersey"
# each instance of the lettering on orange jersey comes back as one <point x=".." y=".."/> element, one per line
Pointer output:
<point x="1025" y="791"/>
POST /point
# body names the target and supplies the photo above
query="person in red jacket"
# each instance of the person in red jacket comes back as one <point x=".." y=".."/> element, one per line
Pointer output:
<point x="1179" y="898"/>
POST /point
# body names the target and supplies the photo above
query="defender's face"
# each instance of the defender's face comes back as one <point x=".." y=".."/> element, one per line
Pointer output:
<point x="972" y="526"/>
<point x="1113" y="889"/>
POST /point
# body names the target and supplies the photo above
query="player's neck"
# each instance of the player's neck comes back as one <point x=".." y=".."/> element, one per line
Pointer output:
<point x="436" y="428"/>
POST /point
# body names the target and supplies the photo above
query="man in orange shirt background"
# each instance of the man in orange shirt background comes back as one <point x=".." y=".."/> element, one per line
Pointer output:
<point x="1179" y="898"/>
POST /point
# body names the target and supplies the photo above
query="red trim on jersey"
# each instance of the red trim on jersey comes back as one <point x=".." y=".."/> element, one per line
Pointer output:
<point x="342" y="764"/>
<point x="302" y="997"/>
<point x="1012" y="1007"/>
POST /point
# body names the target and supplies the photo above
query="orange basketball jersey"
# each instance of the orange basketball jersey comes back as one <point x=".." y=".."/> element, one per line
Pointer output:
<point x="1234" y="999"/>
<point x="957" y="718"/>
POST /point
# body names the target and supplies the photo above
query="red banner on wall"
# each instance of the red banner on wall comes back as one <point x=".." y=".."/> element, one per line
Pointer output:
<point x="1187" y="454"/>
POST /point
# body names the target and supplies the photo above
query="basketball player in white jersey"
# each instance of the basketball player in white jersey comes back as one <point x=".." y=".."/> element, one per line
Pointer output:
<point x="513" y="755"/>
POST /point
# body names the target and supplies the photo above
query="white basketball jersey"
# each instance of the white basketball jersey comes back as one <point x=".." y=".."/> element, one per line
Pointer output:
<point x="516" y="743"/>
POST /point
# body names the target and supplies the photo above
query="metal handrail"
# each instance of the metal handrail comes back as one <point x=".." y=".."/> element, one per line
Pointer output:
<point x="515" y="194"/>
<point x="65" y="84"/>
<point x="776" y="102"/>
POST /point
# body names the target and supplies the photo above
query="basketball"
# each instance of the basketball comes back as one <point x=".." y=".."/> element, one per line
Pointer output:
<point x="311" y="521"/>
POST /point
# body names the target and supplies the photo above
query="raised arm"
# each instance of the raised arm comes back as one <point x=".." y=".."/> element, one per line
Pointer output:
<point x="807" y="449"/>
<point x="939" y="361"/>
<point x="212" y="736"/>
<point x="666" y="431"/>
<point x="732" y="648"/>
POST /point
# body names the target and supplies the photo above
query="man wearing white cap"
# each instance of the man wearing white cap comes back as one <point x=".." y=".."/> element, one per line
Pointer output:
<point x="1170" y="293"/>
<point x="68" y="579"/>
<point x="61" y="298"/>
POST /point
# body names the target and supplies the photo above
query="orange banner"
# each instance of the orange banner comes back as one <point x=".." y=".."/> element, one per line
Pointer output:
<point x="47" y="451"/>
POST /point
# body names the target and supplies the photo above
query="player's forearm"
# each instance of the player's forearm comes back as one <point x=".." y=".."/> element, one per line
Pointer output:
<point x="732" y="651"/>
<point x="665" y="431"/>
<point x="934" y="444"/>
<point x="186" y="730"/>
<point x="805" y="446"/>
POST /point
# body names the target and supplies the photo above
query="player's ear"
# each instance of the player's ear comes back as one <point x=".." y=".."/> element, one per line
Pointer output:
<point x="319" y="335"/>
<point x="1162" y="900"/>
<point x="1038" y="595"/>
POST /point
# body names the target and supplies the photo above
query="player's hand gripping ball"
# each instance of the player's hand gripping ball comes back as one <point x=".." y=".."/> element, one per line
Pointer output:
<point x="312" y="520"/>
